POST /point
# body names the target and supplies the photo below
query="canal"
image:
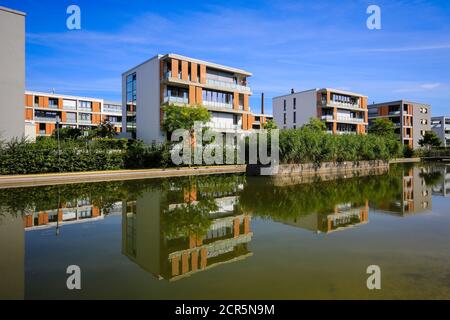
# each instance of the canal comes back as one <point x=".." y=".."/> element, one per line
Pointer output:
<point x="231" y="237"/>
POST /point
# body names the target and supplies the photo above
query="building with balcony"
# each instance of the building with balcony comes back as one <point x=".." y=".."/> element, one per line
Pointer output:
<point x="441" y="125"/>
<point x="343" y="112"/>
<point x="12" y="75"/>
<point x="411" y="119"/>
<point x="180" y="80"/>
<point x="43" y="109"/>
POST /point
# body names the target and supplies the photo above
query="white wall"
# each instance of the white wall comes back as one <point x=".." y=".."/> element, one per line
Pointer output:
<point x="147" y="101"/>
<point x="306" y="107"/>
<point x="12" y="73"/>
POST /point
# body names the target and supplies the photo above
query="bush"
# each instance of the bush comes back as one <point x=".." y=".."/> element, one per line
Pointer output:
<point x="316" y="146"/>
<point x="21" y="157"/>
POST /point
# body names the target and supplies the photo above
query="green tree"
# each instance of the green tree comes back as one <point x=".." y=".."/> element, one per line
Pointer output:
<point x="315" y="125"/>
<point x="270" y="124"/>
<point x="68" y="133"/>
<point x="382" y="127"/>
<point x="183" y="117"/>
<point x="105" y="130"/>
<point x="429" y="140"/>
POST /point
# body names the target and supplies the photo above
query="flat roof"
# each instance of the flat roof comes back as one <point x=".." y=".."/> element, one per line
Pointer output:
<point x="396" y="102"/>
<point x="207" y="63"/>
<point x="57" y="95"/>
<point x="12" y="11"/>
<point x="323" y="89"/>
<point x="180" y="57"/>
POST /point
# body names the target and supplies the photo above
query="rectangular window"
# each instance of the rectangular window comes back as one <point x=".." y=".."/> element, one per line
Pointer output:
<point x="284" y="118"/>
<point x="295" y="103"/>
<point x="284" y="105"/>
<point x="295" y="117"/>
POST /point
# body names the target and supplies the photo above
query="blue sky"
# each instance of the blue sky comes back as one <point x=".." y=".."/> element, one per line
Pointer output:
<point x="286" y="44"/>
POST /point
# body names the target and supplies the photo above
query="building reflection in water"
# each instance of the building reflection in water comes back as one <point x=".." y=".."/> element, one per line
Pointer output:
<point x="178" y="231"/>
<point x="414" y="194"/>
<point x="442" y="186"/>
<point x="344" y="216"/>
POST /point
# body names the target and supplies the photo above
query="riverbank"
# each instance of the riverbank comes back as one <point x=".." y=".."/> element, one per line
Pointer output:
<point x="31" y="180"/>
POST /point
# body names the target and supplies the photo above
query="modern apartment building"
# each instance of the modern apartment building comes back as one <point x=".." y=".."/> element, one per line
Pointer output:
<point x="411" y="119"/>
<point x="43" y="109"/>
<point x="342" y="111"/>
<point x="12" y="74"/>
<point x="181" y="80"/>
<point x="441" y="125"/>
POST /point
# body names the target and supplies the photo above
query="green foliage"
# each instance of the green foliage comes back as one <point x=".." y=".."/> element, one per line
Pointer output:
<point x="105" y="130"/>
<point x="315" y="125"/>
<point x="312" y="144"/>
<point x="270" y="124"/>
<point x="21" y="157"/>
<point x="183" y="117"/>
<point x="68" y="133"/>
<point x="140" y="156"/>
<point x="429" y="140"/>
<point x="382" y="127"/>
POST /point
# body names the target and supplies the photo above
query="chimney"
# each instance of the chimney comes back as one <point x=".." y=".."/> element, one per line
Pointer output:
<point x="262" y="103"/>
<point x="292" y="91"/>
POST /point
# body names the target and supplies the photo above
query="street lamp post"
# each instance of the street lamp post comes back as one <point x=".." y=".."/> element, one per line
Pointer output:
<point x="58" y="120"/>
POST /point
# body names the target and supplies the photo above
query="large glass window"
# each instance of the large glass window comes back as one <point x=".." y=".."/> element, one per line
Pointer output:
<point x="131" y="104"/>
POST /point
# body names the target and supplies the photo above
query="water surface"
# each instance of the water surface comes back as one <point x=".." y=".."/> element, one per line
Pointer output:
<point x="231" y="237"/>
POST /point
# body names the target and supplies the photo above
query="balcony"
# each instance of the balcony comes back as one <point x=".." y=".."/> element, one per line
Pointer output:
<point x="345" y="105"/>
<point x="177" y="100"/>
<point x="394" y="113"/>
<point x="84" y="121"/>
<point x="223" y="126"/>
<point x="85" y="109"/>
<point x="327" y="117"/>
<point x="350" y="119"/>
<point x="225" y="84"/>
<point x="218" y="104"/>
<point x="46" y="119"/>
<point x="112" y="110"/>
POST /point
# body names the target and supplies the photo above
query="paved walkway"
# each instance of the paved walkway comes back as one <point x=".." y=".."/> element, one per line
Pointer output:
<point x="29" y="180"/>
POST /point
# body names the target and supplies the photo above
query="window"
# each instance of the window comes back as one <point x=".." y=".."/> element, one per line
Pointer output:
<point x="284" y="105"/>
<point x="71" y="117"/>
<point x="284" y="118"/>
<point x="295" y="103"/>
<point x="424" y="121"/>
<point x="295" y="117"/>
<point x="295" y="127"/>
<point x="422" y="133"/>
<point x="131" y="103"/>
<point x="85" y="105"/>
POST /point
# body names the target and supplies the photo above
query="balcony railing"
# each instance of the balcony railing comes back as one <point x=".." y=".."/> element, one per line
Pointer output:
<point x="85" y="109"/>
<point x="221" y="126"/>
<point x="181" y="100"/>
<point x="327" y="117"/>
<point x="51" y="119"/>
<point x="393" y="113"/>
<point x="85" y="121"/>
<point x="218" y="104"/>
<point x="345" y="105"/>
<point x="350" y="119"/>
<point x="225" y="84"/>
<point x="112" y="110"/>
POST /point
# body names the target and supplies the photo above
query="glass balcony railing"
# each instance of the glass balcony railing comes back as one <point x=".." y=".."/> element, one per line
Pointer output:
<point x="223" y="126"/>
<point x="392" y="113"/>
<point x="85" y="109"/>
<point x="217" y="104"/>
<point x="112" y="110"/>
<point x="180" y="100"/>
<point x="345" y="104"/>
<point x="327" y="117"/>
<point x="225" y="84"/>
<point x="48" y="119"/>
<point x="85" y="121"/>
<point x="350" y="119"/>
